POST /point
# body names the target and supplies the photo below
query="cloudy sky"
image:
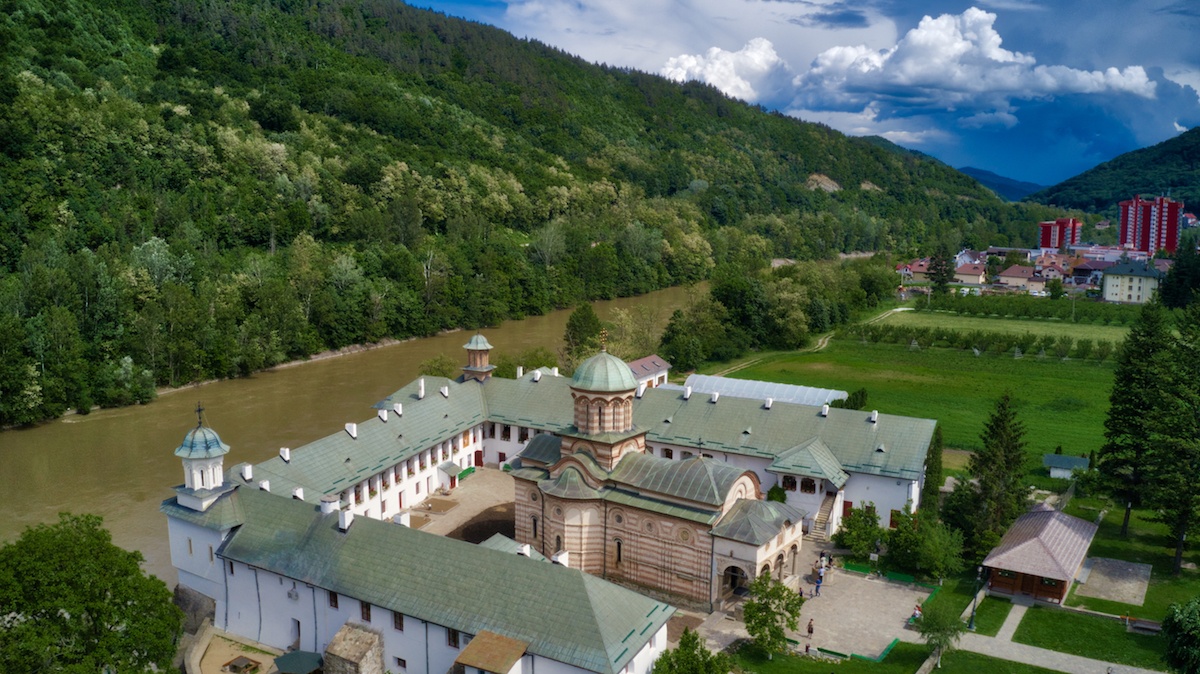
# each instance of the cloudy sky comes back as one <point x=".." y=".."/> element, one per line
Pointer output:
<point x="1031" y="89"/>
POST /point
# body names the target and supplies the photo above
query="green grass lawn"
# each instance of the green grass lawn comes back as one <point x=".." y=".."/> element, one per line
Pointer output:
<point x="904" y="659"/>
<point x="1090" y="637"/>
<point x="924" y="319"/>
<point x="977" y="663"/>
<point x="990" y="615"/>
<point x="1147" y="543"/>
<point x="1059" y="402"/>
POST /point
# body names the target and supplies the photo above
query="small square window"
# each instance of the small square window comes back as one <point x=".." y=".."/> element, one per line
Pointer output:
<point x="402" y="663"/>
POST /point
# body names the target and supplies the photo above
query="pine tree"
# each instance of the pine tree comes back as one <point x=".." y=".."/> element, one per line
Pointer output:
<point x="1183" y="279"/>
<point x="999" y="468"/>
<point x="941" y="270"/>
<point x="933" y="473"/>
<point x="1143" y="362"/>
<point x="1173" y="487"/>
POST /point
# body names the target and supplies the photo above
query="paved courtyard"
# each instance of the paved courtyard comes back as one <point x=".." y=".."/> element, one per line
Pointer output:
<point x="1115" y="580"/>
<point x="857" y="614"/>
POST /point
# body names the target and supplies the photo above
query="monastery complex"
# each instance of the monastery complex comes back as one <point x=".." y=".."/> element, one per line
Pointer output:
<point x="618" y="479"/>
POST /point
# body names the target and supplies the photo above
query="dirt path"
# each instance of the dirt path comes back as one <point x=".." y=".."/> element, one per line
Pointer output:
<point x="822" y="342"/>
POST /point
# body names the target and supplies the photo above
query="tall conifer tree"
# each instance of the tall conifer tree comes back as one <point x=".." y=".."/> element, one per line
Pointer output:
<point x="933" y="473"/>
<point x="1143" y="362"/>
<point x="999" y="468"/>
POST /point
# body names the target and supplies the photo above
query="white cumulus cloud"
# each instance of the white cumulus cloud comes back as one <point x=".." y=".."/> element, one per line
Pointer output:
<point x="952" y="62"/>
<point x="748" y="73"/>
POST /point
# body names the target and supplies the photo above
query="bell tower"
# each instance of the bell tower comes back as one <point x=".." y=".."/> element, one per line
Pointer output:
<point x="203" y="456"/>
<point x="477" y="367"/>
<point x="602" y="392"/>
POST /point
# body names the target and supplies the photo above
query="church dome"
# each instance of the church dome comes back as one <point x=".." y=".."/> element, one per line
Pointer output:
<point x="478" y="343"/>
<point x="604" y="372"/>
<point x="202" y="443"/>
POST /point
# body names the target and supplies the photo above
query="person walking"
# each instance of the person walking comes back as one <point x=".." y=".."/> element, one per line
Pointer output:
<point x="810" y="628"/>
<point x="817" y="591"/>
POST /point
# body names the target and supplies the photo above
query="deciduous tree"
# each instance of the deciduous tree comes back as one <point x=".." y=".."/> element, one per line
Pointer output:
<point x="940" y="627"/>
<point x="771" y="610"/>
<point x="692" y="657"/>
<point x="1181" y="629"/>
<point x="74" y="602"/>
<point x="860" y="531"/>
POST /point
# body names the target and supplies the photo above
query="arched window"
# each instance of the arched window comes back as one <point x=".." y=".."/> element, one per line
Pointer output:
<point x="619" y="550"/>
<point x="558" y="543"/>
<point x="534" y="519"/>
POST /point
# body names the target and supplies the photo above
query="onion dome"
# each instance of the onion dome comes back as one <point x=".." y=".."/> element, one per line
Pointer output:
<point x="202" y="443"/>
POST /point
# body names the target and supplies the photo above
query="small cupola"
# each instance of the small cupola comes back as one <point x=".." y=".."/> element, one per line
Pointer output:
<point x="203" y="455"/>
<point x="478" y="367"/>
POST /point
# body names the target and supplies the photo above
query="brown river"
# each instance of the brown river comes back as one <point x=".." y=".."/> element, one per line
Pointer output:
<point x="120" y="464"/>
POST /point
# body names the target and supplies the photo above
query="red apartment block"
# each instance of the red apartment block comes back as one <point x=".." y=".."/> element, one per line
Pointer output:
<point x="1059" y="233"/>
<point x="1148" y="225"/>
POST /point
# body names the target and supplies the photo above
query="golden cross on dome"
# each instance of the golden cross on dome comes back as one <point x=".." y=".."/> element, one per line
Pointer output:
<point x="604" y="339"/>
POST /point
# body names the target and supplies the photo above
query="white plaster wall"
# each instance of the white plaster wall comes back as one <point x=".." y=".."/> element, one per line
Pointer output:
<point x="197" y="569"/>
<point x="882" y="491"/>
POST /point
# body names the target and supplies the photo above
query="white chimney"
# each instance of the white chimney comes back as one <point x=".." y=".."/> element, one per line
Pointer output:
<point x="825" y="410"/>
<point x="562" y="558"/>
<point x="285" y="453"/>
<point x="404" y="519"/>
<point x="421" y="389"/>
<point x="524" y="550"/>
<point x="716" y="395"/>
<point x="382" y="414"/>
<point x="264" y="485"/>
<point x="641" y="389"/>
<point x="329" y="503"/>
<point x="247" y="472"/>
<point x="298" y="493"/>
<point x="554" y="371"/>
<point x="352" y="429"/>
<point x="768" y="402"/>
<point x="520" y="371"/>
<point x="398" y="409"/>
<point x="345" y="519"/>
<point x="687" y="393"/>
<point x="874" y="416"/>
<point x="445" y="391"/>
<point x="537" y="375"/>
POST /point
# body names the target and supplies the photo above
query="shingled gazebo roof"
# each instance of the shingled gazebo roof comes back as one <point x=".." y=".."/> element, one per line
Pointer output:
<point x="1043" y="542"/>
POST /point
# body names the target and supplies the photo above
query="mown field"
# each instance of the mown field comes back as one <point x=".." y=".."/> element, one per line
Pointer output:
<point x="1040" y="327"/>
<point x="1059" y="402"/>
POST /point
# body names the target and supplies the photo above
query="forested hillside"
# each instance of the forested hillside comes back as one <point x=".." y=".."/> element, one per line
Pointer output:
<point x="1171" y="167"/>
<point x="202" y="188"/>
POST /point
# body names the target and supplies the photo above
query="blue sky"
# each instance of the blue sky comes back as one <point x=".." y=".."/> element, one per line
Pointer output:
<point x="1036" y="91"/>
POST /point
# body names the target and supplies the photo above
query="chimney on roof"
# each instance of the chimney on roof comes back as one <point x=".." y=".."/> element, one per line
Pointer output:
<point x="285" y="453"/>
<point x="641" y="389"/>
<point x="716" y="395"/>
<point x="264" y="485"/>
<point x="562" y="558"/>
<point x="520" y="371"/>
<point x="768" y="402"/>
<point x="524" y="550"/>
<point x="247" y="472"/>
<point x="382" y="414"/>
<point x="554" y="370"/>
<point x="329" y="503"/>
<point x="874" y="416"/>
<point x="537" y="375"/>
<point x="687" y="393"/>
<point x="352" y="429"/>
<point x="298" y="493"/>
<point x="825" y="410"/>
<point x="404" y="519"/>
<point x="398" y="409"/>
<point x="345" y="519"/>
<point x="421" y="389"/>
<point x="445" y="391"/>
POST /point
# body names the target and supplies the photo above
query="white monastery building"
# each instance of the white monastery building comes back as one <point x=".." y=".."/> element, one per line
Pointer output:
<point x="655" y="487"/>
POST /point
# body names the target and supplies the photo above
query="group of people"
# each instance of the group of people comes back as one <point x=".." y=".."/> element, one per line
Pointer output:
<point x="819" y="572"/>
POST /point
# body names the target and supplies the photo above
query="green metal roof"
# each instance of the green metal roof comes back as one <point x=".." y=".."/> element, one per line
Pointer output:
<point x="543" y="448"/>
<point x="201" y="443"/>
<point x="563" y="613"/>
<point x="478" y="343"/>
<point x="756" y="522"/>
<point x="225" y="513"/>
<point x="570" y="485"/>
<point x="1144" y="269"/>
<point x="811" y="459"/>
<point x="604" y="372"/>
<point x="661" y="507"/>
<point x="696" y="479"/>
<point x="505" y="544"/>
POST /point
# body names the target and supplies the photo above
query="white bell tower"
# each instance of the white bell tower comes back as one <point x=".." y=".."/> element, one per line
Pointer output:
<point x="203" y="456"/>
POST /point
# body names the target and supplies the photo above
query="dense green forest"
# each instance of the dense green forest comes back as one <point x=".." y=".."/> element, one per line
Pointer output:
<point x="1171" y="167"/>
<point x="202" y="188"/>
